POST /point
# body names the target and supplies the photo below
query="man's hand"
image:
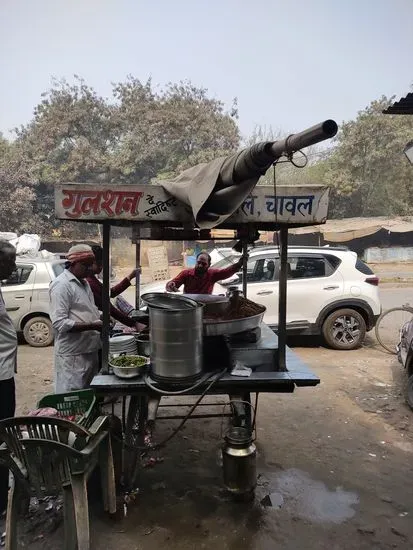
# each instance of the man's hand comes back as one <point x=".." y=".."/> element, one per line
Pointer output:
<point x="139" y="327"/>
<point x="240" y="262"/>
<point x="97" y="325"/>
<point x="83" y="327"/>
<point x="171" y="287"/>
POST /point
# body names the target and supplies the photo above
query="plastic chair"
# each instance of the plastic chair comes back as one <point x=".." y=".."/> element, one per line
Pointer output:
<point x="38" y="452"/>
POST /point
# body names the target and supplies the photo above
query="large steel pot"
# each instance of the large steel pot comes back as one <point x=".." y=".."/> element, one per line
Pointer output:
<point x="176" y="336"/>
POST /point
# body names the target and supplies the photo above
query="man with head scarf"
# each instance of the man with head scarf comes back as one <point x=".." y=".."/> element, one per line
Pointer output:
<point x="76" y="323"/>
<point x="8" y="356"/>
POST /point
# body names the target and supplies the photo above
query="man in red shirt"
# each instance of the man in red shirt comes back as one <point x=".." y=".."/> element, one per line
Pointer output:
<point x="97" y="289"/>
<point x="202" y="278"/>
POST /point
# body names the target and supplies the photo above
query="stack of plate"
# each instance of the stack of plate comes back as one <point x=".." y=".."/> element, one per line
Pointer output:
<point x="124" y="343"/>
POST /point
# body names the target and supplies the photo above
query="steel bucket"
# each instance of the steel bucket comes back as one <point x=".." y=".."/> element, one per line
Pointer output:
<point x="176" y="336"/>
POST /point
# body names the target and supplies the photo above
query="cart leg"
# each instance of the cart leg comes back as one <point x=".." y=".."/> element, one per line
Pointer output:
<point x="242" y="410"/>
<point x="247" y="410"/>
<point x="134" y="437"/>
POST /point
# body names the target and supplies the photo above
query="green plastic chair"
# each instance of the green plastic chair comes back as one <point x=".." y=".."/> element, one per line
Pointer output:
<point x="48" y="456"/>
<point x="81" y="403"/>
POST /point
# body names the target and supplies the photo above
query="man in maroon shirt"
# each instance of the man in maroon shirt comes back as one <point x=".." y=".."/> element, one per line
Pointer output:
<point x="97" y="289"/>
<point x="202" y="278"/>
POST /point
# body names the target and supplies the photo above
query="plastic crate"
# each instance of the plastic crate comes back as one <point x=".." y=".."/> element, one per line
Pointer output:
<point x="73" y="404"/>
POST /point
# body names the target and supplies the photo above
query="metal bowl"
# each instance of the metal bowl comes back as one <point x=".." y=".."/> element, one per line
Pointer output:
<point x="213" y="305"/>
<point x="236" y="326"/>
<point x="129" y="372"/>
<point x="144" y="343"/>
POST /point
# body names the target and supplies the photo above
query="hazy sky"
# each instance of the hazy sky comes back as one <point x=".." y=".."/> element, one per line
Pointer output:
<point x="291" y="64"/>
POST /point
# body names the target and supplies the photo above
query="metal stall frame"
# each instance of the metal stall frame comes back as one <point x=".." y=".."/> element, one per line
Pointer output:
<point x="153" y="214"/>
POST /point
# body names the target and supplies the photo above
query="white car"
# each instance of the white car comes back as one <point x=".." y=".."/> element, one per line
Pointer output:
<point x="330" y="292"/>
<point x="26" y="296"/>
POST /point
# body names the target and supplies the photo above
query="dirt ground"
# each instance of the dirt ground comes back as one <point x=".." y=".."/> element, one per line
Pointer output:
<point x="336" y="460"/>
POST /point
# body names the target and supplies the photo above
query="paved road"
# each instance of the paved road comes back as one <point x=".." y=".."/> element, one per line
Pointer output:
<point x="392" y="297"/>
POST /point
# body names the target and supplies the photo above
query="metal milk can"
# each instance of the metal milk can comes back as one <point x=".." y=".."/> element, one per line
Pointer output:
<point x="239" y="461"/>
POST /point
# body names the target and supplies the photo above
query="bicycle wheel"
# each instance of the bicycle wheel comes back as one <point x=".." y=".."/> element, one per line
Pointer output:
<point x="389" y="324"/>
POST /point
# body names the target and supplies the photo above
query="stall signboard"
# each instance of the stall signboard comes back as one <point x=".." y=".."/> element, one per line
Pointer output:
<point x="293" y="205"/>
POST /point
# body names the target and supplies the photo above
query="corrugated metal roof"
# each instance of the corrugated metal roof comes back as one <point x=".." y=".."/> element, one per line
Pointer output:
<point x="402" y="107"/>
<point x="348" y="229"/>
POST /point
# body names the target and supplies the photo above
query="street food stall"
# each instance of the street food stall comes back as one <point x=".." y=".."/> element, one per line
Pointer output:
<point x="203" y="345"/>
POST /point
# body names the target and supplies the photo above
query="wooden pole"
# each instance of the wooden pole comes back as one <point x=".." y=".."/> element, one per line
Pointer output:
<point x="244" y="267"/>
<point x="282" y="298"/>
<point x="106" y="297"/>
<point x="138" y="273"/>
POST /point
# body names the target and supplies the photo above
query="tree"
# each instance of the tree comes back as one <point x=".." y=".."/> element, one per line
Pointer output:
<point x="285" y="172"/>
<point x="138" y="135"/>
<point x="161" y="134"/>
<point x="16" y="188"/>
<point x="367" y="170"/>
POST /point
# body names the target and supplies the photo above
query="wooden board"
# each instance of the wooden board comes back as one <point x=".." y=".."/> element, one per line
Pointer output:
<point x="292" y="205"/>
<point x="158" y="262"/>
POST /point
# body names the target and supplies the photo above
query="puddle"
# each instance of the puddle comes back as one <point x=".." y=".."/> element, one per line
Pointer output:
<point x="294" y="490"/>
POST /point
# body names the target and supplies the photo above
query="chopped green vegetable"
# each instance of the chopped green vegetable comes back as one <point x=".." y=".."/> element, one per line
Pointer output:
<point x="128" y="361"/>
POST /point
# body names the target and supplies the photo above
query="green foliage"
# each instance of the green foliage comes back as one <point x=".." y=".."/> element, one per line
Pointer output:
<point x="143" y="134"/>
<point x="16" y="183"/>
<point x="140" y="134"/>
<point x="285" y="172"/>
<point x="367" y="170"/>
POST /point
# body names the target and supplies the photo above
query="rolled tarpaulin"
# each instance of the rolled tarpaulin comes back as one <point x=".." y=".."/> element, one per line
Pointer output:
<point x="216" y="189"/>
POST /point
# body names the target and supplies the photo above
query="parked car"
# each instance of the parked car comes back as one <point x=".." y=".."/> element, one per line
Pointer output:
<point x="330" y="292"/>
<point x="405" y="356"/>
<point x="26" y="295"/>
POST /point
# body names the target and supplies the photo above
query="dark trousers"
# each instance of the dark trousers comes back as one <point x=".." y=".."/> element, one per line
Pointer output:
<point x="7" y="409"/>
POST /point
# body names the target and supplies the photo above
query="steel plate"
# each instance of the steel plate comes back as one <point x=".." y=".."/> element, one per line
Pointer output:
<point x="164" y="300"/>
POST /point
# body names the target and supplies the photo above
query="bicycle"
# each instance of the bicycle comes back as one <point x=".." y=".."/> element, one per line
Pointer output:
<point x="389" y="325"/>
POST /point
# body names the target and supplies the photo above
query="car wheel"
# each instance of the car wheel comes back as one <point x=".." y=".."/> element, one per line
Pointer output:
<point x="38" y="332"/>
<point x="408" y="391"/>
<point x="344" y="329"/>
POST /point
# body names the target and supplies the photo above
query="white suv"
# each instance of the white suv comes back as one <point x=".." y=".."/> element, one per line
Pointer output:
<point x="330" y="292"/>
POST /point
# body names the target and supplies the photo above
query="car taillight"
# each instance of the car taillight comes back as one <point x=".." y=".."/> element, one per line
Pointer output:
<point x="372" y="281"/>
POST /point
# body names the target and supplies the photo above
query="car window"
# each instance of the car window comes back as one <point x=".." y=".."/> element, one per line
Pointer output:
<point x="262" y="270"/>
<point x="19" y="276"/>
<point x="226" y="262"/>
<point x="58" y="268"/>
<point x="225" y="253"/>
<point x="363" y="268"/>
<point x="305" y="267"/>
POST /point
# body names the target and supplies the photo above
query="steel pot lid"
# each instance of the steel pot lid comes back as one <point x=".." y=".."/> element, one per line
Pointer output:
<point x="172" y="302"/>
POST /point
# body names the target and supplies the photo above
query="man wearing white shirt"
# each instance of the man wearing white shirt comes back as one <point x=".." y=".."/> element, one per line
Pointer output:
<point x="8" y="358"/>
<point x="76" y="323"/>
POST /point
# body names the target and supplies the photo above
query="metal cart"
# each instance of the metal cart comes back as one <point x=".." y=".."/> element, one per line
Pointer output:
<point x="153" y="212"/>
